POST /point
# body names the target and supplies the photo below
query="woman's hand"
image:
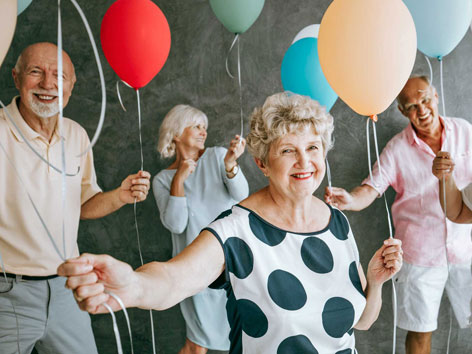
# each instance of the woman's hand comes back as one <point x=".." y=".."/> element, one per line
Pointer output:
<point x="385" y="263"/>
<point x="91" y="276"/>
<point x="236" y="149"/>
<point x="185" y="169"/>
<point x="443" y="165"/>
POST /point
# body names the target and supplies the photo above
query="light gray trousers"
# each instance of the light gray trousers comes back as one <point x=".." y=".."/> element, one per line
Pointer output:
<point x="48" y="318"/>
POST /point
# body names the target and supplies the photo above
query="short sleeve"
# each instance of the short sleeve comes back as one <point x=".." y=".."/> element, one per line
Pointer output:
<point x="350" y="236"/>
<point x="467" y="196"/>
<point x="384" y="174"/>
<point x="89" y="186"/>
<point x="222" y="227"/>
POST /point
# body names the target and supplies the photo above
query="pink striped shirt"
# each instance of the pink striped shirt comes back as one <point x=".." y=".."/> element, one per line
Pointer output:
<point x="406" y="163"/>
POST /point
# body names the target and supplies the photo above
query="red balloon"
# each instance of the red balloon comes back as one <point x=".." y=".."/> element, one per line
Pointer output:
<point x="135" y="38"/>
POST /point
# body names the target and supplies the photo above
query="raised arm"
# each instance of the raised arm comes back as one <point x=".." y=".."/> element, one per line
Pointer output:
<point x="359" y="198"/>
<point x="156" y="285"/>
<point x="384" y="264"/>
<point x="236" y="183"/>
<point x="457" y="210"/>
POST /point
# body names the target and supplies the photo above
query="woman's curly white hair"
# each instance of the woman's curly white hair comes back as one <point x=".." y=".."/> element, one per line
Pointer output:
<point x="174" y="123"/>
<point x="284" y="113"/>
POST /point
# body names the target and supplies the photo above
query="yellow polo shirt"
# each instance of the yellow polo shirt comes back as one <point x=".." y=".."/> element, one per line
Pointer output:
<point x="24" y="244"/>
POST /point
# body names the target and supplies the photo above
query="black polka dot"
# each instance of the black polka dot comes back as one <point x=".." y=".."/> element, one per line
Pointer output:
<point x="224" y="214"/>
<point x="240" y="260"/>
<point x="296" y="345"/>
<point x="268" y="234"/>
<point x="339" y="225"/>
<point x="316" y="255"/>
<point x="354" y="276"/>
<point x="286" y="290"/>
<point x="254" y="322"/>
<point x="344" y="351"/>
<point x="338" y="316"/>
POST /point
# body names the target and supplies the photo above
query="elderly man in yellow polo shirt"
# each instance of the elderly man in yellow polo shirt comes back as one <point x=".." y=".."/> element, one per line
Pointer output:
<point x="48" y="317"/>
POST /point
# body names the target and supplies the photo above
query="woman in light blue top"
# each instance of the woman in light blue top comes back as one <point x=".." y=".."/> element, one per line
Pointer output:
<point x="199" y="185"/>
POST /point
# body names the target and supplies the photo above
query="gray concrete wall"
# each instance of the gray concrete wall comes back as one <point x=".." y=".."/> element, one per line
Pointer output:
<point x="195" y="74"/>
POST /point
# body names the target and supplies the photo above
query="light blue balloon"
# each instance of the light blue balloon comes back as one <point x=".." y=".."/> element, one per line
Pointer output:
<point x="301" y="73"/>
<point x="22" y="5"/>
<point x="440" y="24"/>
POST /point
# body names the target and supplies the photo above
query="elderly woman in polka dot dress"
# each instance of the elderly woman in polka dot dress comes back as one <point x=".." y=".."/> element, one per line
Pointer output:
<point x="288" y="261"/>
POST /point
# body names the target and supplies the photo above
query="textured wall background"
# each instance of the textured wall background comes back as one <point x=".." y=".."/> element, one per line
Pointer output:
<point x="195" y="74"/>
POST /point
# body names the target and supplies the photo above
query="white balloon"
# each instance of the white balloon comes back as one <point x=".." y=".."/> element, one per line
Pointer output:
<point x="310" y="31"/>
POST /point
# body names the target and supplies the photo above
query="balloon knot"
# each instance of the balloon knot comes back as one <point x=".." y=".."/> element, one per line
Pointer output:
<point x="374" y="118"/>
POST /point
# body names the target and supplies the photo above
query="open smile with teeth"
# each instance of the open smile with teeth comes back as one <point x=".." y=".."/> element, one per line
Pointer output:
<point x="423" y="117"/>
<point x="46" y="98"/>
<point x="305" y="175"/>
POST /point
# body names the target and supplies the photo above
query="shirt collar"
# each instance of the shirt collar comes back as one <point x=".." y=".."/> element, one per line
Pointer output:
<point x="26" y="130"/>
<point x="413" y="138"/>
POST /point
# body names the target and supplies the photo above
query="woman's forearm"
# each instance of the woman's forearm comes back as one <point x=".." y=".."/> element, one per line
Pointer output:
<point x="372" y="307"/>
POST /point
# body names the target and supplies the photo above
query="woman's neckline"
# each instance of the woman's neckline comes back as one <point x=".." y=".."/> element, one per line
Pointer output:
<point x="324" y="229"/>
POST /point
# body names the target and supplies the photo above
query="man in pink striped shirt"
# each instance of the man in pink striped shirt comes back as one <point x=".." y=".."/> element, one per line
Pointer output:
<point x="430" y="242"/>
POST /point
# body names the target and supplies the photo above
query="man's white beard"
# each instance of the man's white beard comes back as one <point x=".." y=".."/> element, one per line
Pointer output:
<point x="43" y="110"/>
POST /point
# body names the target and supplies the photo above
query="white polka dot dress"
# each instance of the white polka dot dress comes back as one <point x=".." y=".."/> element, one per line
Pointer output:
<point x="289" y="293"/>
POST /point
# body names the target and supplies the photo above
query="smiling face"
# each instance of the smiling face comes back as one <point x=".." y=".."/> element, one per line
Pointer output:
<point x="419" y="103"/>
<point x="193" y="136"/>
<point x="295" y="164"/>
<point x="36" y="80"/>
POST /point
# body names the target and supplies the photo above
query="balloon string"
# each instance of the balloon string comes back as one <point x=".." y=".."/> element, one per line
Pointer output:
<point x="122" y="305"/>
<point x="115" y="328"/>
<point x="442" y="86"/>
<point x="447" y="259"/>
<point x="139" y="126"/>
<point x="102" y="79"/>
<point x="394" y="305"/>
<point x="394" y="293"/>
<point x="60" y="86"/>
<point x="240" y="95"/>
<point x="444" y="196"/>
<point x="328" y="174"/>
<point x="136" y="218"/>
<point x="430" y="70"/>
<point x="380" y="172"/>
<point x="119" y="95"/>
<point x="227" y="55"/>
<point x="18" y="130"/>
<point x="236" y="40"/>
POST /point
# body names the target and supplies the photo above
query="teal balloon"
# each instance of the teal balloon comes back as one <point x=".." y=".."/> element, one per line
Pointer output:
<point x="237" y="15"/>
<point x="301" y="73"/>
<point x="22" y="5"/>
<point x="440" y="24"/>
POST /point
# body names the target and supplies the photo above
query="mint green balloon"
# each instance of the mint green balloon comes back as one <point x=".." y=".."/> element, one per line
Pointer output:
<point x="237" y="15"/>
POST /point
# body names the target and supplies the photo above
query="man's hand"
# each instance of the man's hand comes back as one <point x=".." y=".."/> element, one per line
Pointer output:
<point x="135" y="187"/>
<point x="338" y="197"/>
<point x="235" y="150"/>
<point x="443" y="165"/>
<point x="91" y="276"/>
<point x="385" y="263"/>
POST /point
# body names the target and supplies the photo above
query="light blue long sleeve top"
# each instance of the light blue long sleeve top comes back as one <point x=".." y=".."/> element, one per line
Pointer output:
<point x="208" y="192"/>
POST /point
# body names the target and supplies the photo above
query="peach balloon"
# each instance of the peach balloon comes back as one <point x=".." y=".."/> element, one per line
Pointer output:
<point x="367" y="49"/>
<point x="8" y="13"/>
